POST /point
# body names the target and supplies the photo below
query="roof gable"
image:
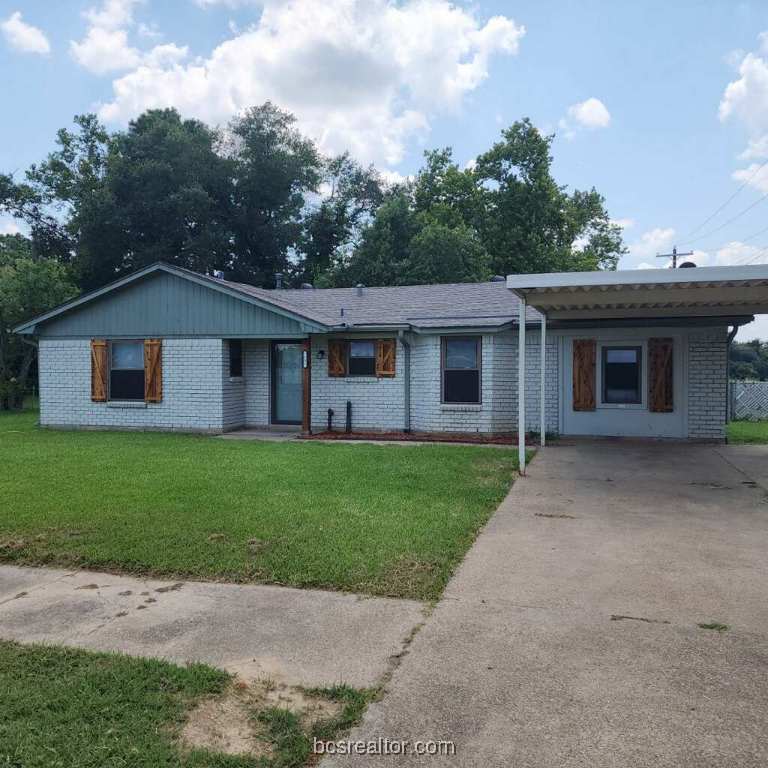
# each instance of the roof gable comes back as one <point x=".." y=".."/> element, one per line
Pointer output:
<point x="167" y="300"/>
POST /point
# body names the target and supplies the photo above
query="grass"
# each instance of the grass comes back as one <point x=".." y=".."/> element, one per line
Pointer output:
<point x="63" y="708"/>
<point x="292" y="740"/>
<point x="73" y="709"/>
<point x="754" y="432"/>
<point x="715" y="625"/>
<point x="375" y="519"/>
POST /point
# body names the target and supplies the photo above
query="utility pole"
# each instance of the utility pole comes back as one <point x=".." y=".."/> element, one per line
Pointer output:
<point x="673" y="256"/>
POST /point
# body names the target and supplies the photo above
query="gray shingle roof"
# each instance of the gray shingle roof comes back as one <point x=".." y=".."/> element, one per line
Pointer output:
<point x="422" y="306"/>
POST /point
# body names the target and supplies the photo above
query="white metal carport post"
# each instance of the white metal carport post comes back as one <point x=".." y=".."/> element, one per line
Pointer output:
<point x="543" y="395"/>
<point x="521" y="387"/>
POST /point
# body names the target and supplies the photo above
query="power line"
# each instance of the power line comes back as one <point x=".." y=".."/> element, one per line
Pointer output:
<point x="723" y="205"/>
<point x="729" y="221"/>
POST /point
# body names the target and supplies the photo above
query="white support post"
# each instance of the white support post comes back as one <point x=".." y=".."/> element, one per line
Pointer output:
<point x="543" y="395"/>
<point x="521" y="388"/>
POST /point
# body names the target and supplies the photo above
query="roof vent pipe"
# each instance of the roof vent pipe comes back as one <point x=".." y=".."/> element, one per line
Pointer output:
<point x="359" y="289"/>
<point x="278" y="280"/>
<point x="498" y="279"/>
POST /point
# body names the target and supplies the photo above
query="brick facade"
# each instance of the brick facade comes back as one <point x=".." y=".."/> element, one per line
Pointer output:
<point x="192" y="389"/>
<point x="707" y="371"/>
<point x="200" y="395"/>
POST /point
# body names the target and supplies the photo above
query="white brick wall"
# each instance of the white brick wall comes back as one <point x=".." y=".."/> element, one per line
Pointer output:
<point x="233" y="392"/>
<point x="192" y="388"/>
<point x="707" y="365"/>
<point x="256" y="368"/>
<point x="198" y="394"/>
<point x="377" y="403"/>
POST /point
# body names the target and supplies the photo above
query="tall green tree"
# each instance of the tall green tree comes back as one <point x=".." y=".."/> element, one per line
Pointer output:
<point x="28" y="286"/>
<point x="332" y="228"/>
<point x="273" y="169"/>
<point x="532" y="224"/>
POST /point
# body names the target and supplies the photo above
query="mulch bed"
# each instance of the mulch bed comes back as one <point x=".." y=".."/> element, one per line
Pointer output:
<point x="422" y="437"/>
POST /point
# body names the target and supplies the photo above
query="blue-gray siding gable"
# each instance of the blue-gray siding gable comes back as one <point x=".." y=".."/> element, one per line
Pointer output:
<point x="163" y="304"/>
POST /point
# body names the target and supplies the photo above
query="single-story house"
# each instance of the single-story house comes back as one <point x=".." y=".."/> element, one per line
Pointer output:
<point x="633" y="353"/>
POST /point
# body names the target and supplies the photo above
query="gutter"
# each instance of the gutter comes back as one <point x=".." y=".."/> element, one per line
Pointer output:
<point x="731" y="336"/>
<point x="406" y="382"/>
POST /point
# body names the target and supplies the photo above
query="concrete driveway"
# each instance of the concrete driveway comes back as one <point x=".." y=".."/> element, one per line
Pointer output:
<point x="570" y="637"/>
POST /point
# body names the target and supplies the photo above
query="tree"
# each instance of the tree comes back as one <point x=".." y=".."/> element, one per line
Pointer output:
<point x="273" y="169"/>
<point x="333" y="227"/>
<point x="403" y="246"/>
<point x="529" y="223"/>
<point x="749" y="360"/>
<point x="28" y="287"/>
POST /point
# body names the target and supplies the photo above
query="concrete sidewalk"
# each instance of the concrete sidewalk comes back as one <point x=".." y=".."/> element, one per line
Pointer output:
<point x="300" y="637"/>
<point x="569" y="636"/>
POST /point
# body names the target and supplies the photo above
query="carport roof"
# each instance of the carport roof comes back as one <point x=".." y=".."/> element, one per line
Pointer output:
<point x="732" y="292"/>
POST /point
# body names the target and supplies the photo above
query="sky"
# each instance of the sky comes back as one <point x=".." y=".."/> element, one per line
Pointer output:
<point x="662" y="107"/>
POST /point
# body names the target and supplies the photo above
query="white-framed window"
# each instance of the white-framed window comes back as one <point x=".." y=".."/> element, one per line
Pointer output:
<point x="362" y="358"/>
<point x="126" y="370"/>
<point x="461" y="363"/>
<point x="622" y="374"/>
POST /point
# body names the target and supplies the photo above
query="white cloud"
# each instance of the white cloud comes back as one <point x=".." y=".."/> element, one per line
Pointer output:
<point x="624" y="223"/>
<point x="756" y="175"/>
<point x="105" y="50"/>
<point x="24" y="37"/>
<point x="113" y="14"/>
<point x="584" y="115"/>
<point x="591" y="113"/>
<point x="746" y="99"/>
<point x="736" y="253"/>
<point x="105" y="47"/>
<point x="9" y="226"/>
<point x="363" y="75"/>
<point x="652" y="242"/>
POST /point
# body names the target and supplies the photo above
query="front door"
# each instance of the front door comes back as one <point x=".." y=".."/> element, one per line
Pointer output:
<point x="287" y="390"/>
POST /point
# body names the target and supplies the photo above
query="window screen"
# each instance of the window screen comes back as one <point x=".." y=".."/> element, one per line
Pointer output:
<point x="461" y="370"/>
<point x="362" y="358"/>
<point x="126" y="375"/>
<point x="235" y="358"/>
<point x="622" y="379"/>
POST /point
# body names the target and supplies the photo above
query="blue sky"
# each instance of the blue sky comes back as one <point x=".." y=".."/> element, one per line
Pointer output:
<point x="662" y="106"/>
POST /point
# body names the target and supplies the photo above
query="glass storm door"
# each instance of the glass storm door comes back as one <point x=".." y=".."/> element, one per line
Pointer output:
<point x="287" y="390"/>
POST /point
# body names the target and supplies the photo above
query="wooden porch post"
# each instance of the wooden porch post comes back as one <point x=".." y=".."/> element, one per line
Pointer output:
<point x="306" y="362"/>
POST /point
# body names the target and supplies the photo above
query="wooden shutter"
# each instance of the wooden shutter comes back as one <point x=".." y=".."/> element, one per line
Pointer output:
<point x="385" y="357"/>
<point x="99" y="370"/>
<point x="660" y="375"/>
<point x="584" y="355"/>
<point x="337" y="358"/>
<point x="153" y="370"/>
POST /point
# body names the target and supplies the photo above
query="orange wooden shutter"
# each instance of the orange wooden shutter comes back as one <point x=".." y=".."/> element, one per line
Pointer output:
<point x="153" y="370"/>
<point x="584" y="356"/>
<point x="337" y="358"/>
<point x="385" y="357"/>
<point x="660" y="375"/>
<point x="99" y="368"/>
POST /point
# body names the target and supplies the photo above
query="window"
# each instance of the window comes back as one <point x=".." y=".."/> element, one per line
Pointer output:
<point x="235" y="358"/>
<point x="622" y="380"/>
<point x="461" y="369"/>
<point x="126" y="373"/>
<point x="362" y="358"/>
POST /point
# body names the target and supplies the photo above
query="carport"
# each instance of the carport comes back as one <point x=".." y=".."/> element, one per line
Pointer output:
<point x="731" y="295"/>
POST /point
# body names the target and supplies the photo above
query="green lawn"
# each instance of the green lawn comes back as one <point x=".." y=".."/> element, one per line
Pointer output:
<point x="377" y="519"/>
<point x="748" y="432"/>
<point x="64" y="708"/>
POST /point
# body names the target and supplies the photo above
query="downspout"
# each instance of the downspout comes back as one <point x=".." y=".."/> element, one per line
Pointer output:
<point x="731" y="335"/>
<point x="406" y="382"/>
